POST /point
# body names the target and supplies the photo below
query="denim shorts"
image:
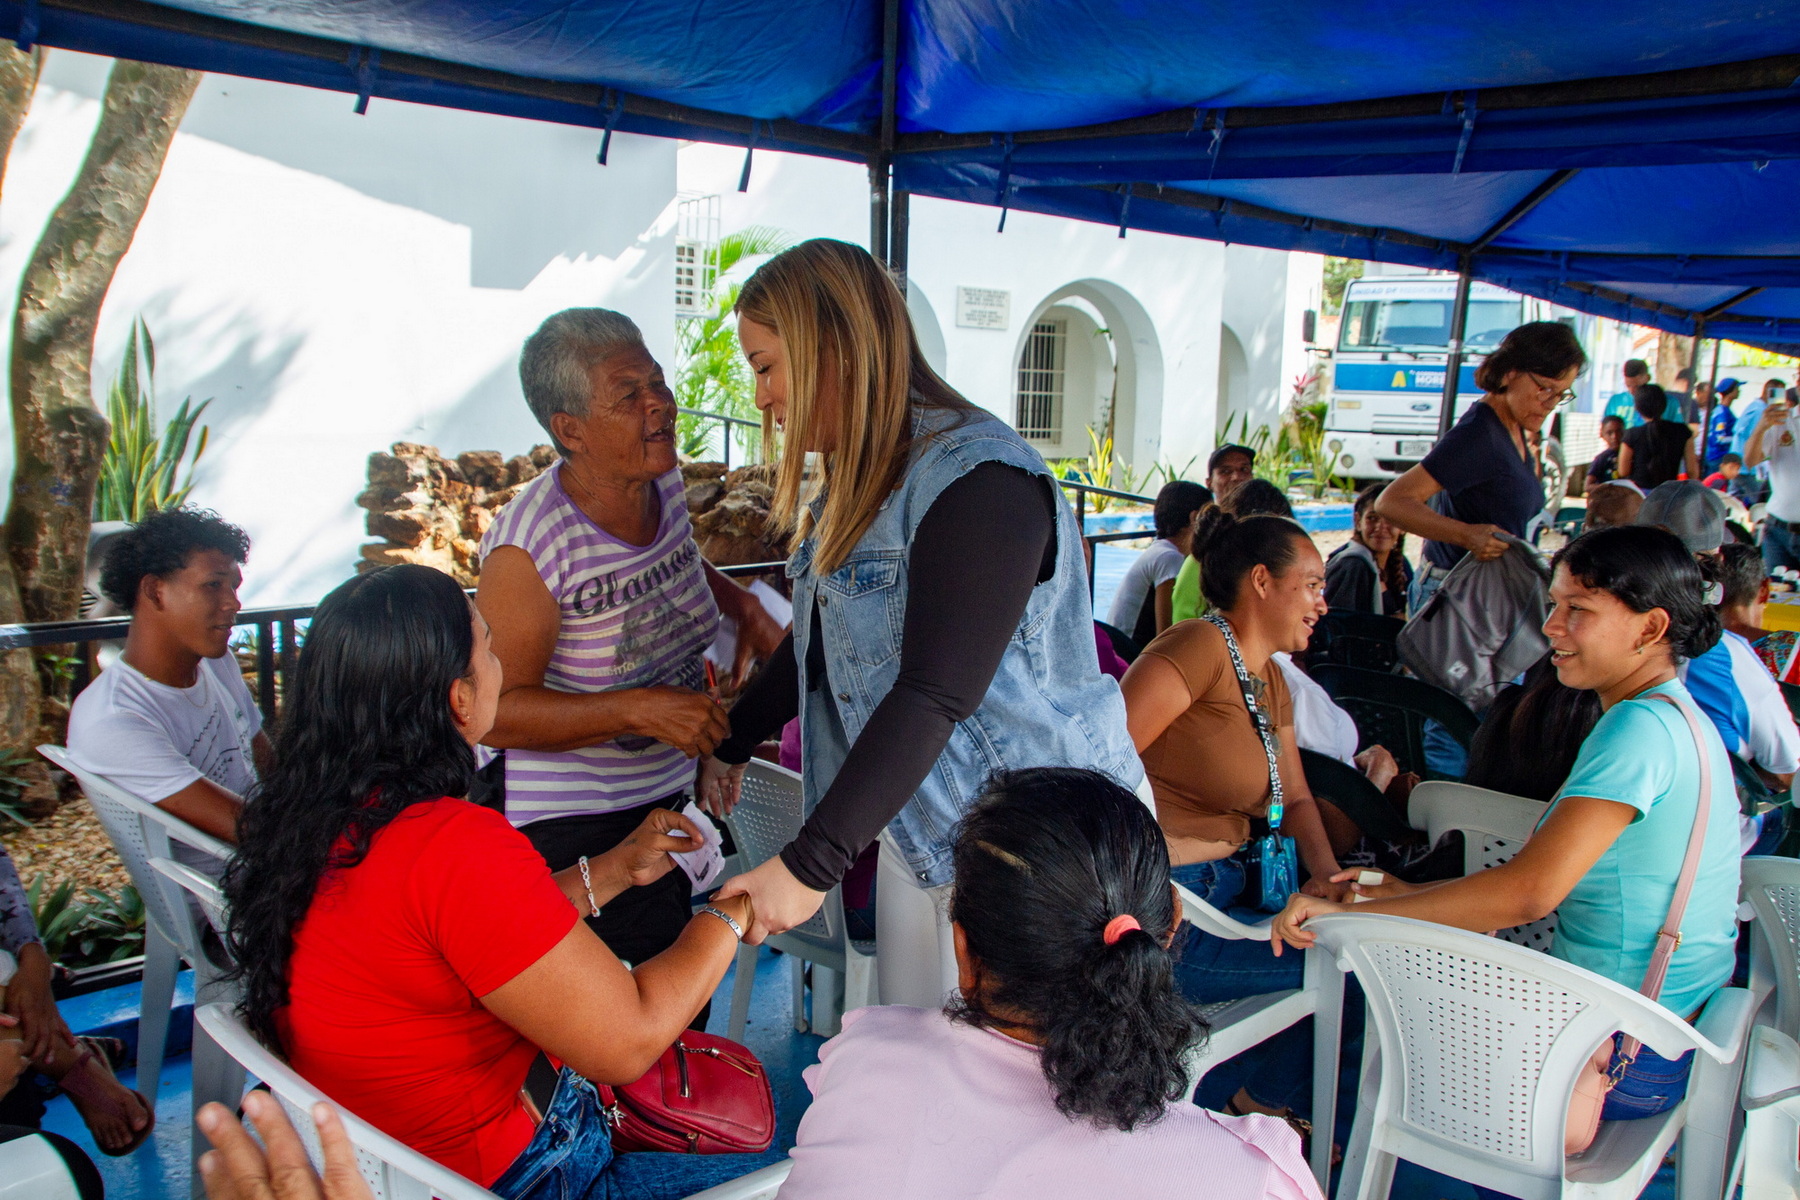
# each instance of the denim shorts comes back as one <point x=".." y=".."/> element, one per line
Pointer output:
<point x="1651" y="1085"/>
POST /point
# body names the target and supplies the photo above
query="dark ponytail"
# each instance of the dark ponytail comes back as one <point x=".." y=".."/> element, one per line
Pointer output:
<point x="1044" y="861"/>
<point x="1228" y="547"/>
<point x="1644" y="568"/>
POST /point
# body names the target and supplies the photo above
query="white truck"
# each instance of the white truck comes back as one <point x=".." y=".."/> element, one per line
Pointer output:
<point x="1387" y="374"/>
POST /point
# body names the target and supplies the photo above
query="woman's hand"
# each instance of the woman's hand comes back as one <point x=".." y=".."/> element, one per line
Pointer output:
<point x="236" y="1168"/>
<point x="13" y="1062"/>
<point x="1389" y="887"/>
<point x="1483" y="541"/>
<point x="1333" y="887"/>
<point x="781" y="901"/>
<point x="1378" y="766"/>
<point x="758" y="637"/>
<point x="1287" y="925"/>
<point x="718" y="785"/>
<point x="643" y="857"/>
<point x="28" y="998"/>
<point x="692" y="722"/>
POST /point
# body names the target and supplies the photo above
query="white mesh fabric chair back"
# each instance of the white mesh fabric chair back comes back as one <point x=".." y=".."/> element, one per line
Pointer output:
<point x="770" y="811"/>
<point x="1772" y="889"/>
<point x="394" y="1171"/>
<point x="1477" y="1047"/>
<point x="1494" y="825"/>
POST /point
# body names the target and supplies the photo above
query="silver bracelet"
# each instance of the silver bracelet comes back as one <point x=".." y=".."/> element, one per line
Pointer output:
<point x="727" y="918"/>
<point x="587" y="881"/>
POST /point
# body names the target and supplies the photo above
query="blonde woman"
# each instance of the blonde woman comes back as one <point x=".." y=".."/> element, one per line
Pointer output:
<point x="942" y="627"/>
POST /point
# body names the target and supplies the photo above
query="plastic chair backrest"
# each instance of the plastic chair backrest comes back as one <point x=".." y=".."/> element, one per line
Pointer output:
<point x="394" y="1171"/>
<point x="1481" y="1041"/>
<point x="1772" y="889"/>
<point x="1392" y="710"/>
<point x="139" y="832"/>
<point x="1347" y="638"/>
<point x="205" y="891"/>
<point x="771" y="808"/>
<point x="1771" y="1099"/>
<point x="1350" y="791"/>
<point x="1494" y="825"/>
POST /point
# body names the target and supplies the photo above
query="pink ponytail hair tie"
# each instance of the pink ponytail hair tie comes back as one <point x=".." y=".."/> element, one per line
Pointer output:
<point x="1118" y="927"/>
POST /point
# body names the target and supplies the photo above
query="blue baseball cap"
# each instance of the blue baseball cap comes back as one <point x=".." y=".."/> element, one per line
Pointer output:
<point x="1728" y="384"/>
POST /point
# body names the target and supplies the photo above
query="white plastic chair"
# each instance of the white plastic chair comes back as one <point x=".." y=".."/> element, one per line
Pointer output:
<point x="394" y="1170"/>
<point x="1238" y="1025"/>
<point x="216" y="1076"/>
<point x="139" y="832"/>
<point x="1475" y="1049"/>
<point x="1494" y="825"/>
<point x="1771" y="889"/>
<point x="1766" y="1160"/>
<point x="768" y="816"/>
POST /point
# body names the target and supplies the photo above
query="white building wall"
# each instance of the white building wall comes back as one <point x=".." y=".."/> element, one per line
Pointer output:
<point x="335" y="283"/>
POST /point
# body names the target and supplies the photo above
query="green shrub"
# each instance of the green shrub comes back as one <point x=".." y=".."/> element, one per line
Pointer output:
<point x="86" y="930"/>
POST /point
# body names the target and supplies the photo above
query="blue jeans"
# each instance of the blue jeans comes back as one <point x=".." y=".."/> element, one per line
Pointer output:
<point x="1652" y="1084"/>
<point x="571" y="1158"/>
<point x="1425" y="584"/>
<point x="1211" y="969"/>
<point x="1780" y="545"/>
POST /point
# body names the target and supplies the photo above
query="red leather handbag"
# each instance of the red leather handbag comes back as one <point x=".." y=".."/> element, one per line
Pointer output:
<point x="705" y="1095"/>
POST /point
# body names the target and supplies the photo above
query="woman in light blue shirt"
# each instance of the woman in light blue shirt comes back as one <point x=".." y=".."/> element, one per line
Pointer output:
<point x="1628" y="602"/>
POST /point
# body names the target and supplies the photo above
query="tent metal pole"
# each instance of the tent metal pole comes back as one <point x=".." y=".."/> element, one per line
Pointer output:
<point x="1693" y="366"/>
<point x="1459" y="323"/>
<point x="881" y="159"/>
<point x="900" y="210"/>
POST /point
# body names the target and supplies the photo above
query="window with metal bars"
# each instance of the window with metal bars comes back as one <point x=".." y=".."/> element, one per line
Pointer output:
<point x="690" y="287"/>
<point x="1041" y="369"/>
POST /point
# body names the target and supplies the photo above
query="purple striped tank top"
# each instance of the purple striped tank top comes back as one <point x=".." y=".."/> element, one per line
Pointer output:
<point x="632" y="616"/>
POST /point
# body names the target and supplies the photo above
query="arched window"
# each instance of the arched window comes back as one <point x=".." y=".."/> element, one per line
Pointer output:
<point x="1042" y="367"/>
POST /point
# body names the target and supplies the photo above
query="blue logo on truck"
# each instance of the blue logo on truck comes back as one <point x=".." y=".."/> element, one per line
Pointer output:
<point x="1395" y="377"/>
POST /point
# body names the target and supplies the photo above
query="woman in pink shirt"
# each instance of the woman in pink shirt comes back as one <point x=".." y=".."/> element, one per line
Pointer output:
<point x="1058" y="1071"/>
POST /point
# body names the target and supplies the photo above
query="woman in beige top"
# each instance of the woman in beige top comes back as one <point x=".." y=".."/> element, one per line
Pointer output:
<point x="1207" y="764"/>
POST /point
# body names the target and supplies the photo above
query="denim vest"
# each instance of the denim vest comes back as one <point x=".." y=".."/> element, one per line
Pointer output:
<point x="1048" y="704"/>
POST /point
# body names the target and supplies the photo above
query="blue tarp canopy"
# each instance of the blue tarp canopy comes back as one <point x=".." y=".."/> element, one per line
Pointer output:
<point x="1636" y="161"/>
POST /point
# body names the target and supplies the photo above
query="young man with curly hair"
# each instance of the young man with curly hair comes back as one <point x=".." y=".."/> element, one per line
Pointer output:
<point x="172" y="721"/>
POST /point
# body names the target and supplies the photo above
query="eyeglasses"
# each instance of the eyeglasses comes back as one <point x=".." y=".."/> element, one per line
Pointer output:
<point x="1545" y="387"/>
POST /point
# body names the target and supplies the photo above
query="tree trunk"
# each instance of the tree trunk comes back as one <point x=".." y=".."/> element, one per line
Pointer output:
<point x="59" y="436"/>
<point x="19" y="707"/>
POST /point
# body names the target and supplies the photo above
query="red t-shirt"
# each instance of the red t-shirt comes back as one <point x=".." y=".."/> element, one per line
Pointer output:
<point x="383" y="1015"/>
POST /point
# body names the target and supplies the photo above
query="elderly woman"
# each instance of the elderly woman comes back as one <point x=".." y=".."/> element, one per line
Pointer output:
<point x="943" y="630"/>
<point x="602" y="609"/>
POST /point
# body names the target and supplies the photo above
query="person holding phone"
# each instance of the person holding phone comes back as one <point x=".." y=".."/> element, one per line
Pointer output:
<point x="1772" y="441"/>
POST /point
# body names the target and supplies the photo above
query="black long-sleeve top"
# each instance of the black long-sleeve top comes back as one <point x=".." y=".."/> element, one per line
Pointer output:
<point x="985" y="543"/>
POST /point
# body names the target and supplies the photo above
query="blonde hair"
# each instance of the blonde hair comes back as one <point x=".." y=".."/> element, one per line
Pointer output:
<point x="836" y="309"/>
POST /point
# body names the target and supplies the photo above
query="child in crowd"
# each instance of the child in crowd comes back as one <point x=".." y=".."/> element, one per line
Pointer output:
<point x="1605" y="467"/>
<point x="1058" y="1072"/>
<point x="1722" y="479"/>
<point x="1745" y="579"/>
<point x="171" y="721"/>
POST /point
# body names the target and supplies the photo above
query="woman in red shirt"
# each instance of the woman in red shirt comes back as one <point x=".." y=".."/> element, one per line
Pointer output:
<point x="409" y="952"/>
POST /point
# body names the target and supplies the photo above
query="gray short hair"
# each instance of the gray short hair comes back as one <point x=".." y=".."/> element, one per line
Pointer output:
<point x="553" y="367"/>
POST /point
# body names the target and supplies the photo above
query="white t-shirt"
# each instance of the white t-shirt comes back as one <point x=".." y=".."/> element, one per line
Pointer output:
<point x="1157" y="565"/>
<point x="1319" y="724"/>
<point x="1781" y="444"/>
<point x="154" y="740"/>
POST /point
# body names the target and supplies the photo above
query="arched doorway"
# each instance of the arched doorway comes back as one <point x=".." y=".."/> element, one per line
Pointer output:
<point x="1234" y="378"/>
<point x="1088" y="356"/>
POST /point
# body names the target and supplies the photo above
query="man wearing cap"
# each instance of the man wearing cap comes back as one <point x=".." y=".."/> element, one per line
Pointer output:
<point x="1723" y="425"/>
<point x="1229" y="468"/>
<point x="1728" y="682"/>
<point x="1772" y="441"/>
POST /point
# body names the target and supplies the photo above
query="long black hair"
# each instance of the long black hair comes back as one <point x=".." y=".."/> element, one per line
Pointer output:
<point x="1044" y="861"/>
<point x="1393" y="576"/>
<point x="1527" y="743"/>
<point x="1645" y="568"/>
<point x="366" y="731"/>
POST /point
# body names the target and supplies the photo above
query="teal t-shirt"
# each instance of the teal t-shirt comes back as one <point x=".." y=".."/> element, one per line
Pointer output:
<point x="1623" y="405"/>
<point x="1641" y="754"/>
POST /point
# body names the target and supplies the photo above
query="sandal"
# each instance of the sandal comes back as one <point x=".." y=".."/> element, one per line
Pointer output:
<point x="86" y="1081"/>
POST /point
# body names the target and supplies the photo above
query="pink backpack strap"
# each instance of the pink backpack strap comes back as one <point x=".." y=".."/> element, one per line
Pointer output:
<point x="1668" y="938"/>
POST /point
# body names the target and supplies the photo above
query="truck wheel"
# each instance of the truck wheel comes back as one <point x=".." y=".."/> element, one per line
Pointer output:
<point x="1555" y="475"/>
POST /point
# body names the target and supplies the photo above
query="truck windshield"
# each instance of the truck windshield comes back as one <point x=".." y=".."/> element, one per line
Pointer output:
<point x="1423" y="324"/>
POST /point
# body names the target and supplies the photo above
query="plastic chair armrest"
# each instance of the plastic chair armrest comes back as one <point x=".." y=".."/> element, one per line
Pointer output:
<point x="1205" y="917"/>
<point x="1724" y="1024"/>
<point x="753" y="1186"/>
